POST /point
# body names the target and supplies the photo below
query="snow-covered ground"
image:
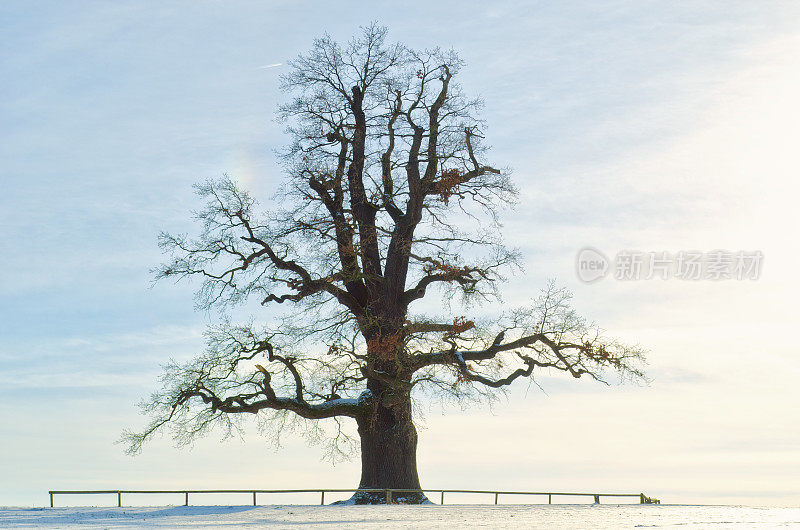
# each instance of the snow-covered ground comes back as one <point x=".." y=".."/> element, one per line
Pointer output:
<point x="397" y="516"/>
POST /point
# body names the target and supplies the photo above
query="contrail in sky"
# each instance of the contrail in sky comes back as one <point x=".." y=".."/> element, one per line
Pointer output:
<point x="269" y="66"/>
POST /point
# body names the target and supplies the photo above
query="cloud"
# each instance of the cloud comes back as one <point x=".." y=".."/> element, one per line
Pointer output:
<point x="265" y="66"/>
<point x="96" y="360"/>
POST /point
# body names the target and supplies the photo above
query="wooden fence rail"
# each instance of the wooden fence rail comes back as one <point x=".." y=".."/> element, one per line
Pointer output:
<point x="389" y="493"/>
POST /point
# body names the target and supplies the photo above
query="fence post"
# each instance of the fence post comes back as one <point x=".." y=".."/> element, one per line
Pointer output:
<point x="51" y="499"/>
<point x="549" y="498"/>
<point x="322" y="498"/>
<point x="495" y="497"/>
<point x="119" y="499"/>
<point x="442" y="502"/>
<point x="254" y="498"/>
<point x="186" y="498"/>
<point x="388" y="496"/>
<point x="597" y="499"/>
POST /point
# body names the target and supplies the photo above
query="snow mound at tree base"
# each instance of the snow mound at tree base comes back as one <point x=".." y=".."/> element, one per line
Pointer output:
<point x="372" y="497"/>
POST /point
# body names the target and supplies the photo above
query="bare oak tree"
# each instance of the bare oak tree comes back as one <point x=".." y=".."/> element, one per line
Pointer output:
<point x="387" y="201"/>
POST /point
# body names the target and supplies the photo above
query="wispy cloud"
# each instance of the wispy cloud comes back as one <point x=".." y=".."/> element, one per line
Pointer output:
<point x="265" y="66"/>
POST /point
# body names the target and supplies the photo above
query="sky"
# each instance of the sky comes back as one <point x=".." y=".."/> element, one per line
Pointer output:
<point x="629" y="125"/>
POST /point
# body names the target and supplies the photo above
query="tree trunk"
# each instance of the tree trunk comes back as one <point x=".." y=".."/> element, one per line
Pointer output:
<point x="389" y="454"/>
